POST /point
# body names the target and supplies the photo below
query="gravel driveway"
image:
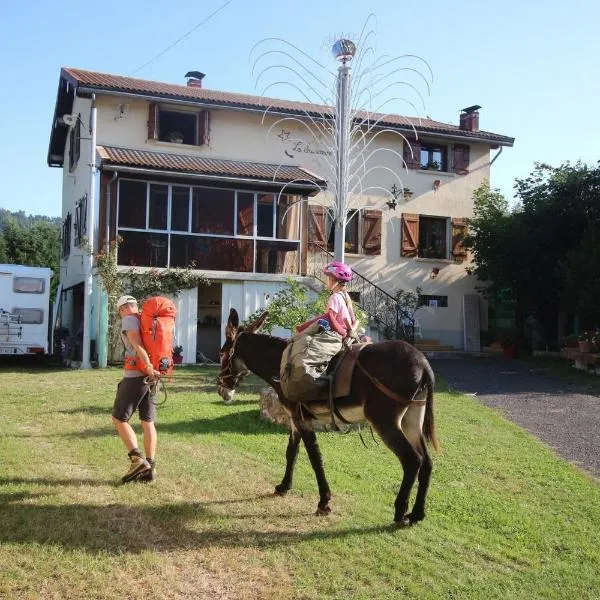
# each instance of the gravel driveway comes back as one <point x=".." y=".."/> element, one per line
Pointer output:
<point x="557" y="412"/>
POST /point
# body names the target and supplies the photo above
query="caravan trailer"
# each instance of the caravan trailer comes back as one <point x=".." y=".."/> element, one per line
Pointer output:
<point x="24" y="309"/>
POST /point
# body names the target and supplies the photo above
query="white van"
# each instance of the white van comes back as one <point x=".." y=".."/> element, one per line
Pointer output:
<point x="24" y="309"/>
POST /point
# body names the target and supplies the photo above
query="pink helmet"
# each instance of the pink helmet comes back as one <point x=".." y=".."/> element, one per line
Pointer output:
<point x="338" y="270"/>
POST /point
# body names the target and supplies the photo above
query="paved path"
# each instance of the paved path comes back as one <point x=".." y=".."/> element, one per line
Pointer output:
<point x="557" y="412"/>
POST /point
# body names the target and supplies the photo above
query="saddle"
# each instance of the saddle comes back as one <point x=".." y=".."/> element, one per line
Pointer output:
<point x="337" y="384"/>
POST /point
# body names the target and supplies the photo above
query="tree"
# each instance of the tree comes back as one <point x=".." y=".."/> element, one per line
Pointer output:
<point x="523" y="252"/>
<point x="37" y="245"/>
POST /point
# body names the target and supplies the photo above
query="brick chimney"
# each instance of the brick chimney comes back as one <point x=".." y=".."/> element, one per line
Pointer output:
<point x="194" y="78"/>
<point x="469" y="118"/>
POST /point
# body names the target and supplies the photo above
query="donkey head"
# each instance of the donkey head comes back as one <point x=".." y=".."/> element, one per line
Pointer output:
<point x="233" y="367"/>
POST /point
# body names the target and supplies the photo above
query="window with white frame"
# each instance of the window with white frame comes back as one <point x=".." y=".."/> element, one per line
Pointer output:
<point x="177" y="225"/>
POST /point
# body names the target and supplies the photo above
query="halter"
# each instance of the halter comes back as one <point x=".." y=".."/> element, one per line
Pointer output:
<point x="226" y="372"/>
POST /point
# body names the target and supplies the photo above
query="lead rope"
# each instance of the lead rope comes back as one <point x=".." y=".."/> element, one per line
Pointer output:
<point x="154" y="388"/>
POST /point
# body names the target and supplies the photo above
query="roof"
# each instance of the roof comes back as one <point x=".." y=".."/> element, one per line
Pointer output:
<point x="209" y="168"/>
<point x="87" y="82"/>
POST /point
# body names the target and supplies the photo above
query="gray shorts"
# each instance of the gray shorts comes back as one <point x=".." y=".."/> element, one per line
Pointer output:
<point x="132" y="394"/>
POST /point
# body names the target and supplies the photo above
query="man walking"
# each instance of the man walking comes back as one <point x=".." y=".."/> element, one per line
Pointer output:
<point x="133" y="394"/>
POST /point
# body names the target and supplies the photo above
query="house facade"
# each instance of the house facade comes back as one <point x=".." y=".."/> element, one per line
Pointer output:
<point x="225" y="182"/>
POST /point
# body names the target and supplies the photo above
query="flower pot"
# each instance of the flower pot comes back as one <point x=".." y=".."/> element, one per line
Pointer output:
<point x="585" y="346"/>
<point x="177" y="359"/>
<point x="509" y="351"/>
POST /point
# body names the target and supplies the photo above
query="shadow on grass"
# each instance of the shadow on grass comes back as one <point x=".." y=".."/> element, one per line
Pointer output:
<point x="119" y="528"/>
<point x="52" y="481"/>
<point x="86" y="410"/>
<point x="246" y="422"/>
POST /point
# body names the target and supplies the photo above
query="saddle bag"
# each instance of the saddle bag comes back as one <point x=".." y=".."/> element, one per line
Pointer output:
<point x="304" y="362"/>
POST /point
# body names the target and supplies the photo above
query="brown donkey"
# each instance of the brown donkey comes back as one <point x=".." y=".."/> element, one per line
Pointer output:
<point x="392" y="389"/>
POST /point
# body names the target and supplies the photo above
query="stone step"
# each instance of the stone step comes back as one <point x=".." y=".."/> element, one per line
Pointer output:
<point x="435" y="348"/>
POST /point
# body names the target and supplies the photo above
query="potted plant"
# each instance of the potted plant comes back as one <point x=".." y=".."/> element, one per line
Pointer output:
<point x="433" y="165"/>
<point x="585" y="341"/>
<point x="175" y="137"/>
<point x="570" y="341"/>
<point x="177" y="355"/>
<point x="509" y="349"/>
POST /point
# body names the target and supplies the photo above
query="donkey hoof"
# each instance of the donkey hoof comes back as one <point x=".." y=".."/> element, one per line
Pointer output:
<point x="280" y="491"/>
<point x="402" y="523"/>
<point x="322" y="511"/>
<point x="414" y="518"/>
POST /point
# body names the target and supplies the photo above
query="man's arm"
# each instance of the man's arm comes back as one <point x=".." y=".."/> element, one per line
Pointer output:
<point x="135" y="339"/>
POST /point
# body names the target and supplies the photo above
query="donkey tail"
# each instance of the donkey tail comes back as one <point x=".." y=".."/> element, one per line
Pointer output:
<point x="428" y="422"/>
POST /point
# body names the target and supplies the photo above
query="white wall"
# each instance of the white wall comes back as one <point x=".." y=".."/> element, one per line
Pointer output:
<point x="241" y="135"/>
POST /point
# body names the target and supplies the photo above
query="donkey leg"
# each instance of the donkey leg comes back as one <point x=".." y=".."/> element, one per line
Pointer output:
<point x="418" y="510"/>
<point x="386" y="423"/>
<point x="412" y="427"/>
<point x="314" y="454"/>
<point x="291" y="454"/>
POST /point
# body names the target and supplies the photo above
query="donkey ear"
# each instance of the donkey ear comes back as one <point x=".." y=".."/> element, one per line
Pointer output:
<point x="232" y="324"/>
<point x="234" y="319"/>
<point x="256" y="325"/>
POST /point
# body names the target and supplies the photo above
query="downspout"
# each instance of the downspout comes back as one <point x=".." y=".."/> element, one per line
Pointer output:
<point x="497" y="155"/>
<point x="89" y="259"/>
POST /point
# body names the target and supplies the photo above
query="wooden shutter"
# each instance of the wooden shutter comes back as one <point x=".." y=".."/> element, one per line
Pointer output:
<point x="412" y="159"/>
<point x="153" y="121"/>
<point x="316" y="227"/>
<point x="460" y="159"/>
<point x="203" y="128"/>
<point x="372" y="232"/>
<point x="410" y="235"/>
<point x="459" y="232"/>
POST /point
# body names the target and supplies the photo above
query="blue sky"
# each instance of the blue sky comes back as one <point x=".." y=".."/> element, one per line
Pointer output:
<point x="533" y="67"/>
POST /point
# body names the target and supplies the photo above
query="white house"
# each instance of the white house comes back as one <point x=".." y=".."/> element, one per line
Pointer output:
<point x="191" y="174"/>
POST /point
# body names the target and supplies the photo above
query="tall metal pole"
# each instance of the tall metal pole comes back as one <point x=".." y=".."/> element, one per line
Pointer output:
<point x="89" y="258"/>
<point x="342" y="129"/>
<point x="344" y="51"/>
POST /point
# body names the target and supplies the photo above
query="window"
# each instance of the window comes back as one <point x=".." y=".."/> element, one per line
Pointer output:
<point x="28" y="285"/>
<point x="65" y="238"/>
<point x="174" y="225"/>
<point x="132" y="204"/>
<point x="178" y="126"/>
<point x="433" y="233"/>
<point x="245" y="213"/>
<point x="362" y="236"/>
<point x="434" y="157"/>
<point x="29" y="316"/>
<point x="75" y="144"/>
<point x="351" y="236"/>
<point x="433" y="301"/>
<point x="80" y="225"/>
<point x="212" y="211"/>
<point x="143" y="249"/>
<point x="180" y="208"/>
<point x="158" y="207"/>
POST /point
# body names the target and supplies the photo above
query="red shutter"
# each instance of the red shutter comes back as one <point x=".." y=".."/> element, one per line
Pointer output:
<point x="410" y="235"/>
<point x="153" y="121"/>
<point x="372" y="232"/>
<point x="203" y="128"/>
<point x="412" y="154"/>
<point x="460" y="159"/>
<point x="316" y="227"/>
<point x="459" y="231"/>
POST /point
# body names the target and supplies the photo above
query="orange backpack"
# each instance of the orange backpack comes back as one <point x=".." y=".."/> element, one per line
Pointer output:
<point x="157" y="323"/>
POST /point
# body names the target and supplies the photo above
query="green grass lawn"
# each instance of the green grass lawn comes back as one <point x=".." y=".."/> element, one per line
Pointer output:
<point x="506" y="518"/>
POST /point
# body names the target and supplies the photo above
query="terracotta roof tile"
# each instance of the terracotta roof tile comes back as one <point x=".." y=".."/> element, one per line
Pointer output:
<point x="117" y="83"/>
<point x="190" y="164"/>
